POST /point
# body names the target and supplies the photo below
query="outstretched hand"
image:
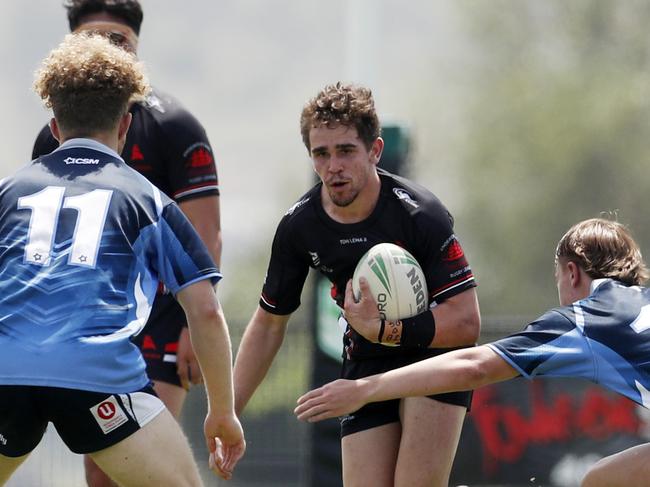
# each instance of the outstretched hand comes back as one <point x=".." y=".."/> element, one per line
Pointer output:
<point x="362" y="315"/>
<point x="225" y="440"/>
<point x="335" y="399"/>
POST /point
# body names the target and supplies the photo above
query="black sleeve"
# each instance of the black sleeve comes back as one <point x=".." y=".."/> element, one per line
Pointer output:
<point x="443" y="261"/>
<point x="285" y="276"/>
<point x="44" y="143"/>
<point x="189" y="159"/>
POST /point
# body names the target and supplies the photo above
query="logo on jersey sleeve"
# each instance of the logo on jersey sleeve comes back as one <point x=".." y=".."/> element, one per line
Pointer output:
<point x="3" y="440"/>
<point x="109" y="414"/>
<point x="198" y="156"/>
<point x="405" y="197"/>
<point x="453" y="252"/>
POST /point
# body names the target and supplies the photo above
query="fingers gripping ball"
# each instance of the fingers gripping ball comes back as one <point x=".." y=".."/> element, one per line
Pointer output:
<point x="395" y="279"/>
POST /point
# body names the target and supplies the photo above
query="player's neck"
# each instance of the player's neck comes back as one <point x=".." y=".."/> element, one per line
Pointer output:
<point x="357" y="211"/>
<point x="110" y="140"/>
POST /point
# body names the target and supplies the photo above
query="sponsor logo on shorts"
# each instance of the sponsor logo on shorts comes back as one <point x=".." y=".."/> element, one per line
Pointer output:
<point x="109" y="414"/>
<point x="3" y="440"/>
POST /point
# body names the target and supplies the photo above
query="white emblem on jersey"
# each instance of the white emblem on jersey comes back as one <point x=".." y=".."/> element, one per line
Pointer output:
<point x="3" y="440"/>
<point x="109" y="414"/>
<point x="152" y="101"/>
<point x="404" y="196"/>
<point x="80" y="160"/>
<point x="296" y="206"/>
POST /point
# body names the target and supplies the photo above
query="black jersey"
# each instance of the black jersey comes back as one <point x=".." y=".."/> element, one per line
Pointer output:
<point x="166" y="144"/>
<point x="406" y="214"/>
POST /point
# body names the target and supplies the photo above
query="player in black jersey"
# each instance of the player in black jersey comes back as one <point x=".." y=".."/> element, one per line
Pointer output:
<point x="411" y="442"/>
<point x="170" y="148"/>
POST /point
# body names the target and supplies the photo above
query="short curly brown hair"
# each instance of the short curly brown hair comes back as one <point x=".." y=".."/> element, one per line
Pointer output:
<point x="342" y="104"/>
<point x="89" y="83"/>
<point x="604" y="248"/>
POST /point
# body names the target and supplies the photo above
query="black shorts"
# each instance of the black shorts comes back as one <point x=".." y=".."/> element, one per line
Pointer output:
<point x="158" y="341"/>
<point x="380" y="413"/>
<point x="86" y="421"/>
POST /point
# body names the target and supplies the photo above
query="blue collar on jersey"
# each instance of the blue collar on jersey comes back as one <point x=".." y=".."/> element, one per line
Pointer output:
<point x="89" y="144"/>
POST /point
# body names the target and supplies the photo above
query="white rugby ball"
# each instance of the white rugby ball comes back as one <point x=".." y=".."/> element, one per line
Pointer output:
<point x="396" y="281"/>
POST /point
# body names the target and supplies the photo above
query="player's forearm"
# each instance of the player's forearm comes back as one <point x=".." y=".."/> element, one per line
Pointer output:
<point x="257" y="350"/>
<point x="454" y="371"/>
<point x="211" y="343"/>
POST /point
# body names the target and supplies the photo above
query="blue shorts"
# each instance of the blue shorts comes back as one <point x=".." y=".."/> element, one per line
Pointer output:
<point x="86" y="421"/>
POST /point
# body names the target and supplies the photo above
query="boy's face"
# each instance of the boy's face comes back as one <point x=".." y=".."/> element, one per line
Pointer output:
<point x="110" y="27"/>
<point x="342" y="161"/>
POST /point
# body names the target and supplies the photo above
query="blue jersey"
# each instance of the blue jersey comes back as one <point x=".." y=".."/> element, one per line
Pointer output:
<point x="84" y="240"/>
<point x="604" y="338"/>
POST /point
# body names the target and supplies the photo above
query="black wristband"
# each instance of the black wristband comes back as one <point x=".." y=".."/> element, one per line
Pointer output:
<point x="380" y="335"/>
<point x="418" y="331"/>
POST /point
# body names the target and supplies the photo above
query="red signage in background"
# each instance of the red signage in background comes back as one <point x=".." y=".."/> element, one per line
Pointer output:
<point x="523" y="430"/>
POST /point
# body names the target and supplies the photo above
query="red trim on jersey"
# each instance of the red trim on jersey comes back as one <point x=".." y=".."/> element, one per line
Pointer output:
<point x="171" y="347"/>
<point x="195" y="186"/>
<point x="451" y="284"/>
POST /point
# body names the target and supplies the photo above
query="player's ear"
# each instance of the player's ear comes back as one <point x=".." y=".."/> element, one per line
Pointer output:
<point x="574" y="273"/>
<point x="125" y="123"/>
<point x="54" y="128"/>
<point x="122" y="130"/>
<point x="376" y="149"/>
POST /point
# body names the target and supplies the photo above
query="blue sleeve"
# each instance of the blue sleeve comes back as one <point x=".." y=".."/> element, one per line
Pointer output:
<point x="551" y="346"/>
<point x="176" y="252"/>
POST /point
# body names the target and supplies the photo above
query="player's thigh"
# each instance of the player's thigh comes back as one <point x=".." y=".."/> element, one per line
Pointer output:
<point x="157" y="454"/>
<point x="629" y="467"/>
<point x="173" y="396"/>
<point x="369" y="456"/>
<point x="8" y="466"/>
<point x="430" y="434"/>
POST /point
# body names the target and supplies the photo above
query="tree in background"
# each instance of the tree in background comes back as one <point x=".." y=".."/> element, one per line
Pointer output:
<point x="558" y="130"/>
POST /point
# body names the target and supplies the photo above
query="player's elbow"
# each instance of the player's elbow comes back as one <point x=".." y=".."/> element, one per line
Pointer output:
<point x="475" y="369"/>
<point x="205" y="313"/>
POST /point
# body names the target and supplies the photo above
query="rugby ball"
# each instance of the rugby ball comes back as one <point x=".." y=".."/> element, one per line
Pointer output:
<point x="396" y="281"/>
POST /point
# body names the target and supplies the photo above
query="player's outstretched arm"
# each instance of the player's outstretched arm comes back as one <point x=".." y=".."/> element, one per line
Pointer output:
<point x="211" y="342"/>
<point x="259" y="345"/>
<point x="454" y="371"/>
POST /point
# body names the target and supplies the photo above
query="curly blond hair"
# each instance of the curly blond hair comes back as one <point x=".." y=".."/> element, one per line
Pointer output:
<point x="604" y="248"/>
<point x="89" y="83"/>
<point x="341" y="104"/>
